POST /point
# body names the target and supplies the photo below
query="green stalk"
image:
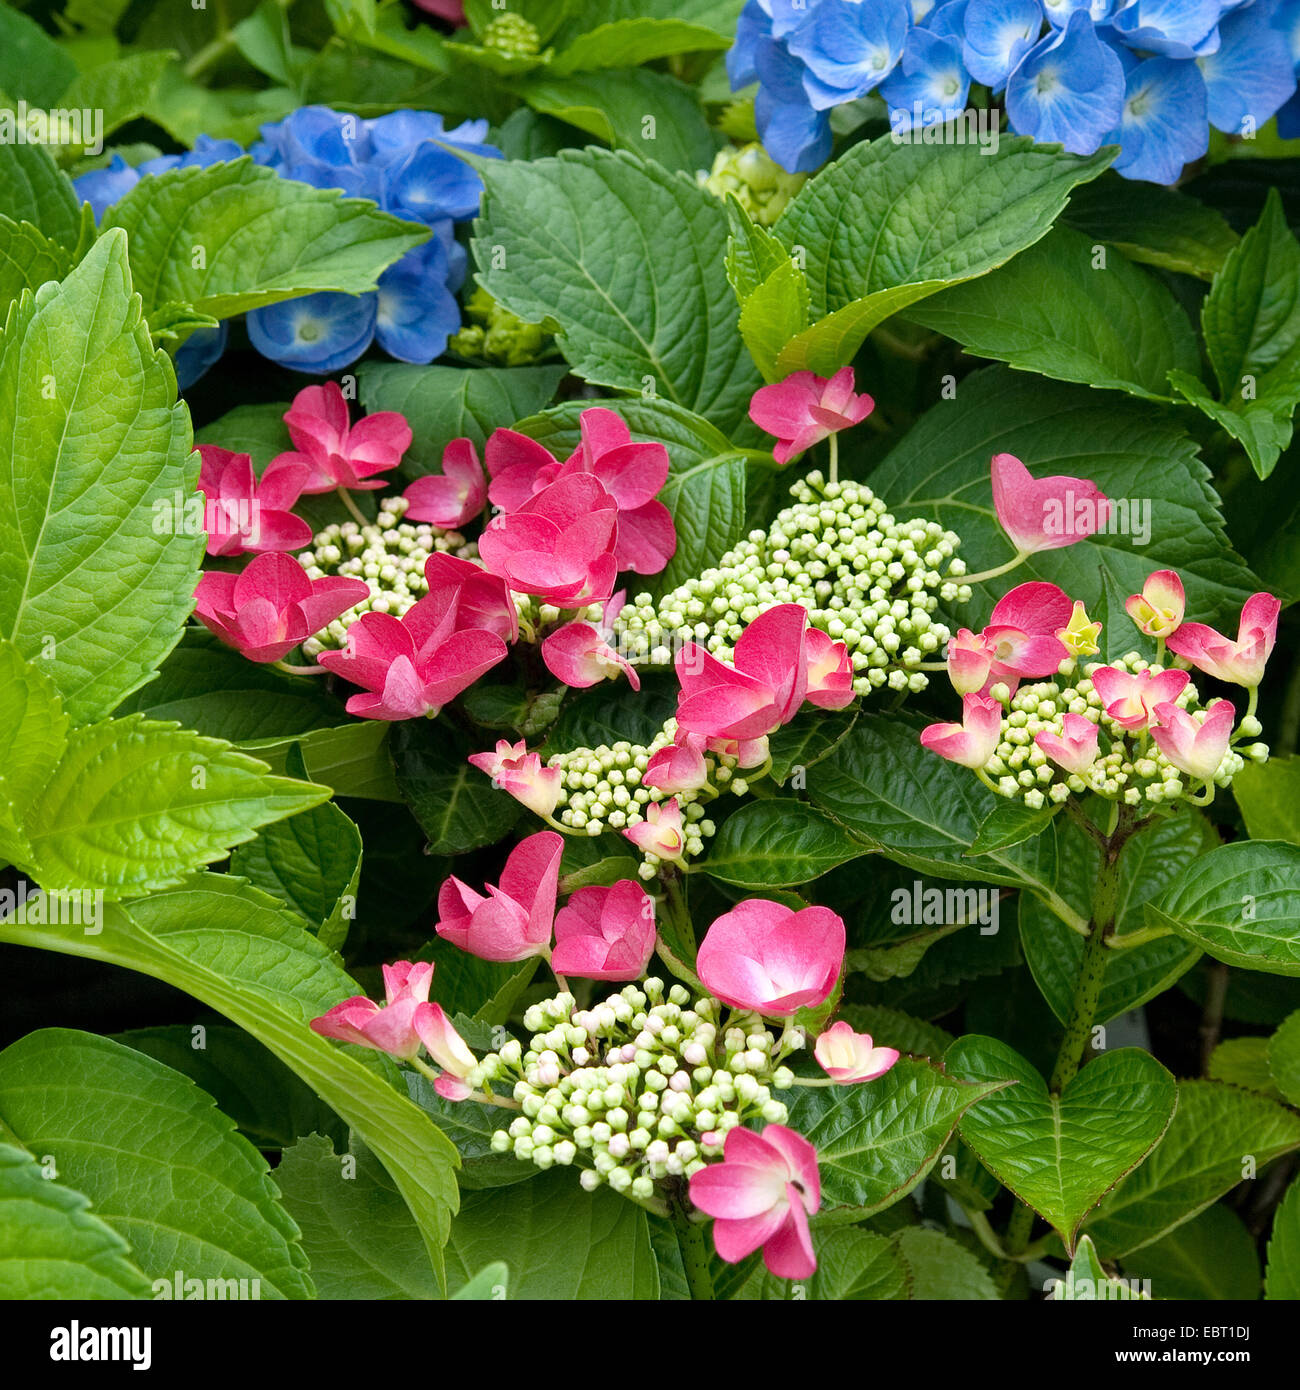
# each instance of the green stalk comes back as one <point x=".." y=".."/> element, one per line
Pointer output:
<point x="695" y="1258"/>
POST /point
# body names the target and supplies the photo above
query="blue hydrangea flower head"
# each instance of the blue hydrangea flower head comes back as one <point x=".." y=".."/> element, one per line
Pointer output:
<point x="201" y="350"/>
<point x="1174" y="28"/>
<point x="753" y="27"/>
<point x="1164" y="121"/>
<point x="1251" y="74"/>
<point x="998" y="35"/>
<point x="929" y="85"/>
<point x="325" y="148"/>
<point x="205" y="153"/>
<point x="948" y="21"/>
<point x="849" y="48"/>
<point x="416" y="312"/>
<point x="317" y="333"/>
<point x="101" y="188"/>
<point x="1059" y="12"/>
<point x="1068" y="89"/>
<point x="429" y="183"/>
<point x="793" y="132"/>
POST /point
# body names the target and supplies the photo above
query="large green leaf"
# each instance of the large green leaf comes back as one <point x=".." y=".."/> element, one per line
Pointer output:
<point x="1269" y="797"/>
<point x="32" y="66"/>
<point x="778" y="844"/>
<point x="1282" y="1278"/>
<point x="853" y="1266"/>
<point x="119" y="90"/>
<point x="889" y="224"/>
<point x="135" y="805"/>
<point x="159" y="1163"/>
<point x="237" y="236"/>
<point x="1149" y="862"/>
<point x="33" y="735"/>
<point x="559" y="1242"/>
<point x="1213" y="1256"/>
<point x="457" y="806"/>
<point x="52" y="1246"/>
<point x="356" y="1230"/>
<point x="876" y="1140"/>
<point x="28" y="259"/>
<point x="626" y="258"/>
<point x="240" y="953"/>
<point x="1240" y="904"/>
<point x="1284" y="1059"/>
<point x="33" y="189"/>
<point x="1062" y="1154"/>
<point x="1219" y="1135"/>
<point x="96" y="443"/>
<point x="1056" y="311"/>
<point x="941" y="1270"/>
<point x="940" y="470"/>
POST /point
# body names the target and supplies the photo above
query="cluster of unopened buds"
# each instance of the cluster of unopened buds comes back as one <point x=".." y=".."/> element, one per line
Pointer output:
<point x="1131" y="730"/>
<point x="650" y="1090"/>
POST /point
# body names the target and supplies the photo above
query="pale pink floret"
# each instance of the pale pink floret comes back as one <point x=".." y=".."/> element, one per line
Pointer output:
<point x="521" y="773"/>
<point x="605" y="933"/>
<point x="455" y="496"/>
<point x="388" y="1027"/>
<point x="1196" y="749"/>
<point x="846" y="1056"/>
<point x="559" y="545"/>
<point x="970" y="662"/>
<point x="1131" y="700"/>
<point x="830" y="671"/>
<point x="1022" y="632"/>
<point x="804" y="409"/>
<point x="1158" y="609"/>
<point x="513" y="921"/>
<point x="759" y="692"/>
<point x="337" y="453"/>
<point x="661" y="832"/>
<point x="271" y="606"/>
<point x="446" y="1046"/>
<point x="678" y="767"/>
<point x="242" y="515"/>
<point x="972" y="742"/>
<point x="762" y="1194"/>
<point x="1044" y="513"/>
<point x="1241" y="662"/>
<point x="1075" y="749"/>
<point x="765" y="956"/>
<point x="580" y="655"/>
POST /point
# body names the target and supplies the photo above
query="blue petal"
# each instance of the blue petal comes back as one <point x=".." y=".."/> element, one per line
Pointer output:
<point x="159" y="164"/>
<point x="929" y="80"/>
<point x="416" y="313"/>
<point x="793" y="133"/>
<point x="101" y="188"/>
<point x="198" y="352"/>
<point x="1059" y="11"/>
<point x="1069" y="88"/>
<point x="998" y="34"/>
<point x="949" y="20"/>
<point x="1252" y="73"/>
<point x="754" y="26"/>
<point x="431" y="183"/>
<point x="1164" y="125"/>
<point x="1288" y="119"/>
<point x="317" y="333"/>
<point x="849" y="48"/>
<point x="786" y="15"/>
<point x="1174" y="28"/>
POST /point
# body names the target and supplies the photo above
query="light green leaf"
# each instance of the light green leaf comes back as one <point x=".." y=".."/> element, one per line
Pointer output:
<point x="52" y="1246"/>
<point x="778" y="844"/>
<point x="559" y="1242"/>
<point x="33" y="735"/>
<point x="1261" y="422"/>
<point x="1217" y="1134"/>
<point x="1212" y="1256"/>
<point x="1282" y="1279"/>
<point x="159" y="1163"/>
<point x="119" y="90"/>
<point x="889" y="224"/>
<point x="95" y="439"/>
<point x="1087" y="1281"/>
<point x="33" y="189"/>
<point x="643" y="306"/>
<point x="492" y="1282"/>
<point x="33" y="67"/>
<point x="876" y="1140"/>
<point x="1284" y="1059"/>
<point x="1062" y="1154"/>
<point x="1244" y="1062"/>
<point x="940" y="471"/>
<point x="28" y="258"/>
<point x="1053" y="311"/>
<point x="941" y="1270"/>
<point x="263" y="239"/>
<point x="1269" y="797"/>
<point x="356" y="1230"/>
<point x="1240" y="904"/>
<point x="626" y="43"/>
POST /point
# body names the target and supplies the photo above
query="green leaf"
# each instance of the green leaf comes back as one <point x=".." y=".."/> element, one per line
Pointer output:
<point x="940" y="470"/>
<point x="1149" y="862"/>
<point x="457" y="806"/>
<point x="134" y="805"/>
<point x="96" y="442"/>
<point x="1053" y="311"/>
<point x="642" y="307"/>
<point x="33" y="189"/>
<point x="159" y="1163"/>
<point x="1240" y="904"/>
<point x="446" y="403"/>
<point x="352" y="760"/>
<point x="1165" y="227"/>
<point x="626" y="43"/>
<point x="1244" y="1062"/>
<point x="263" y="38"/>
<point x="875" y="1141"/>
<point x="263" y="239"/>
<point x="356" y="1230"/>
<point x="853" y="1266"/>
<point x="1261" y="421"/>
<point x="940" y="1269"/>
<point x="52" y="1245"/>
<point x="1282" y="1278"/>
<point x="1212" y="1256"/>
<point x="1284" y="1059"/>
<point x="598" y="716"/>
<point x="1062" y="1154"/>
<point x="559" y="1242"/>
<point x="1010" y="823"/>
<point x="778" y="844"/>
<point x="1269" y="797"/>
<point x="807" y="739"/>
<point x="28" y="258"/>
<point x="890" y="1028"/>
<point x="470" y="1126"/>
<point x="490" y="1283"/>
<point x="240" y="953"/>
<point x="119" y="90"/>
<point x="754" y="254"/>
<point x="889" y="224"/>
<point x="33" y="68"/>
<point x="1087" y="1281"/>
<point x="33" y="735"/>
<point x="1218" y="1134"/>
<point x="649" y="113"/>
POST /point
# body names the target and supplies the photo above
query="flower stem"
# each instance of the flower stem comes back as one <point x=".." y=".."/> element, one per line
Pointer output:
<point x="833" y="474"/>
<point x="298" y="670"/>
<point x="1018" y="558"/>
<point x="695" y="1258"/>
<point x="357" y="515"/>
